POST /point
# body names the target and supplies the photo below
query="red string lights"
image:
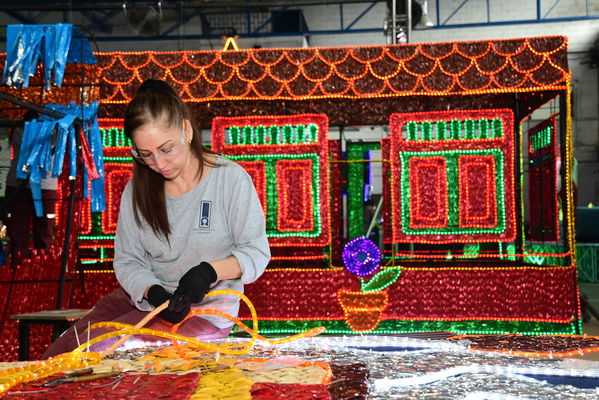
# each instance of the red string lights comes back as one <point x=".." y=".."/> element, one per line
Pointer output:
<point x="429" y="200"/>
<point x="287" y="158"/>
<point x="452" y="176"/>
<point x="512" y="65"/>
<point x="511" y="294"/>
<point x="543" y="187"/>
<point x="477" y="191"/>
<point x="117" y="176"/>
<point x="294" y="187"/>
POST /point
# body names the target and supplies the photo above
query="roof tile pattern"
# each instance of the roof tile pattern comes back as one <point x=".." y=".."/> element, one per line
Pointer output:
<point x="500" y="66"/>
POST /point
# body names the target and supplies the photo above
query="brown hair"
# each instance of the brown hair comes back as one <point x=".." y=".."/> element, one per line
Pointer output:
<point x="156" y="101"/>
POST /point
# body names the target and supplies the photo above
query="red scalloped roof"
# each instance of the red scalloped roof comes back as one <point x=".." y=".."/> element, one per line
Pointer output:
<point x="80" y="82"/>
<point x="513" y="65"/>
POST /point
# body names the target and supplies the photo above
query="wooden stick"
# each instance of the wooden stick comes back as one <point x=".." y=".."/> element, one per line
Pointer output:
<point x="76" y="335"/>
<point x="78" y="344"/>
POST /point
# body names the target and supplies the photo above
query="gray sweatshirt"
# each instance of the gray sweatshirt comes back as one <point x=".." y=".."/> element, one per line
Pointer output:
<point x="221" y="216"/>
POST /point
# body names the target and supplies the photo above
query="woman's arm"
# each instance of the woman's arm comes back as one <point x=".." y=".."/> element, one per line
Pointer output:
<point x="227" y="268"/>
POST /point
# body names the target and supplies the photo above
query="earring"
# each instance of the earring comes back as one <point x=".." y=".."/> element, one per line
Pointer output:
<point x="189" y="141"/>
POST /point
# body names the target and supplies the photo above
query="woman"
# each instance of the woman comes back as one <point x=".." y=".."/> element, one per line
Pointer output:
<point x="190" y="222"/>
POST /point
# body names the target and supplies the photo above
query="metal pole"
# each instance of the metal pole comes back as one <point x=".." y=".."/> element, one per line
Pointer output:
<point x="67" y="238"/>
<point x="374" y="217"/>
<point x="79" y="130"/>
<point x="408" y="20"/>
<point x="31" y="106"/>
<point x="393" y="22"/>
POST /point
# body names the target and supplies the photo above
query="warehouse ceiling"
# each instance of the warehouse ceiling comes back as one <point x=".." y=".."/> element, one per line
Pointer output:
<point x="65" y="5"/>
<point x="107" y="20"/>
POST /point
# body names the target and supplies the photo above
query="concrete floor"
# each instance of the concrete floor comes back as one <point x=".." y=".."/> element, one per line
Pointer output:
<point x="591" y="328"/>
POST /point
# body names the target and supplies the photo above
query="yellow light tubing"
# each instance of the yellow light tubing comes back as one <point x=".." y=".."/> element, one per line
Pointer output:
<point x="73" y="360"/>
<point x="79" y="358"/>
<point x="224" y="348"/>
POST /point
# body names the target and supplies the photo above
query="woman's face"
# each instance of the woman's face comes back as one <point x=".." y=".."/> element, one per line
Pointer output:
<point x="162" y="148"/>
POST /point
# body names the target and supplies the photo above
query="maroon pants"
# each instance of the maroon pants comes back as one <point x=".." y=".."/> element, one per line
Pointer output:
<point x="118" y="307"/>
<point x="23" y="223"/>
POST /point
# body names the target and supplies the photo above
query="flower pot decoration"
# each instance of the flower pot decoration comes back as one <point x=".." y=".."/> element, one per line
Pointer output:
<point x="363" y="309"/>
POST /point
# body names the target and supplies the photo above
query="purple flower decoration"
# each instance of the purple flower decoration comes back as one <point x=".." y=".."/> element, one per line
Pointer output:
<point x="361" y="256"/>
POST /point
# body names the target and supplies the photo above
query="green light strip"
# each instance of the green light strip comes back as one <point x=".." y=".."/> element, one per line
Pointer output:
<point x="355" y="186"/>
<point x="403" y="326"/>
<point x="114" y="137"/>
<point x="452" y="192"/>
<point x="271" y="135"/>
<point x="521" y="187"/>
<point x="541" y="139"/>
<point x="120" y="160"/>
<point x="96" y="223"/>
<point x="98" y="237"/>
<point x="467" y="129"/>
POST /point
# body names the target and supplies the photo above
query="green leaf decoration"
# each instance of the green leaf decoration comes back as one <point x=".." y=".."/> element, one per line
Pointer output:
<point x="381" y="280"/>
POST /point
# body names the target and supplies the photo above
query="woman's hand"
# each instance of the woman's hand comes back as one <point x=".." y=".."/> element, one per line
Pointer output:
<point x="193" y="286"/>
<point x="157" y="295"/>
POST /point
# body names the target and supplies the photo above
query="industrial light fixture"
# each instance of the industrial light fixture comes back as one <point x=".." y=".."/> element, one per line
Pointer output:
<point x="144" y="19"/>
<point x="425" y="21"/>
<point x="402" y="17"/>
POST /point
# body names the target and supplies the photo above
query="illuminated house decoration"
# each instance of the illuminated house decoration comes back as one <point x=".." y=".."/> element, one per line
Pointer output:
<point x="452" y="176"/>
<point x="542" y="189"/>
<point x="452" y="276"/>
<point x="287" y="158"/>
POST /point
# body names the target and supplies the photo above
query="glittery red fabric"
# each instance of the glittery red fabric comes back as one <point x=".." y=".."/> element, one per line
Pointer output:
<point x="277" y="391"/>
<point x="509" y="293"/>
<point x="543" y="344"/>
<point x="349" y="382"/>
<point x="166" y="386"/>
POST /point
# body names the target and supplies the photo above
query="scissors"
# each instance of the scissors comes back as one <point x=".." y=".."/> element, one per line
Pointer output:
<point x="81" y="375"/>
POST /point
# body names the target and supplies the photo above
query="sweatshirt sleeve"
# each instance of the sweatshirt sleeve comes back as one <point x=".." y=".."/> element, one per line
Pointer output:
<point x="247" y="226"/>
<point x="131" y="265"/>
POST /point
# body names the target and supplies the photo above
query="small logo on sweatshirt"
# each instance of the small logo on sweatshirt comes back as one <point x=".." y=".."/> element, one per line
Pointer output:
<point x="205" y="213"/>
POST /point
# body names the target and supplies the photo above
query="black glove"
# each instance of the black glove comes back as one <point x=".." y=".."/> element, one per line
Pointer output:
<point x="193" y="286"/>
<point x="158" y="295"/>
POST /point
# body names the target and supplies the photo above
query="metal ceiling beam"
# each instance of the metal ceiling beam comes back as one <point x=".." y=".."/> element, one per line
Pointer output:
<point x="225" y="5"/>
<point x="101" y="23"/>
<point x="21" y="18"/>
<point x="541" y="15"/>
<point x="138" y="38"/>
<point x="359" y="17"/>
<point x="273" y="16"/>
<point x="181" y="21"/>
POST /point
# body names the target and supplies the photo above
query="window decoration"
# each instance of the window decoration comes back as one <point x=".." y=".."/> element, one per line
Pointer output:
<point x="287" y="158"/>
<point x="452" y="176"/>
<point x="542" y="189"/>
